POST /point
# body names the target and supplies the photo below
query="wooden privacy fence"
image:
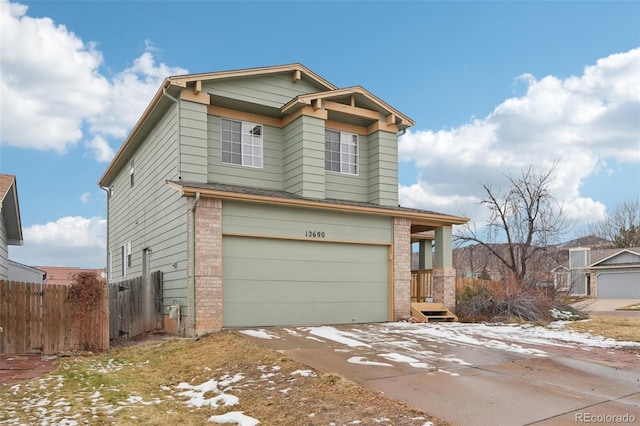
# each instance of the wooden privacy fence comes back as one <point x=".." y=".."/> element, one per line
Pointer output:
<point x="135" y="306"/>
<point x="47" y="319"/>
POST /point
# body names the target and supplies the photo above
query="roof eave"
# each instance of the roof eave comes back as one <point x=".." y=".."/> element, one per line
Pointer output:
<point x="11" y="214"/>
<point x="183" y="80"/>
<point x="109" y="174"/>
<point x="186" y="190"/>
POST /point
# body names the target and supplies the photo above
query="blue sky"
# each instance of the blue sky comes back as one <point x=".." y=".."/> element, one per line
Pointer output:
<point x="491" y="86"/>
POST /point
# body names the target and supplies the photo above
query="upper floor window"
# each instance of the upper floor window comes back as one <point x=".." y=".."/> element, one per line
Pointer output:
<point x="241" y="143"/>
<point x="341" y="152"/>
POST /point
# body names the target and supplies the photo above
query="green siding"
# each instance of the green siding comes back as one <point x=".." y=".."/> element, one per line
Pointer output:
<point x="279" y="282"/>
<point x="383" y="168"/>
<point x="303" y="157"/>
<point x="151" y="214"/>
<point x="343" y="186"/>
<point x="272" y="90"/>
<point x="193" y="141"/>
<point x="269" y="177"/>
<point x="287" y="222"/>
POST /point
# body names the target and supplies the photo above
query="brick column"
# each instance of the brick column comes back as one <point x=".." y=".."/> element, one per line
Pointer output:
<point x="444" y="287"/>
<point x="401" y="268"/>
<point x="208" y="266"/>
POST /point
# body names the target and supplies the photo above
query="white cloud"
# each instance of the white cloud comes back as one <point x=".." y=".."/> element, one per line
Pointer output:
<point x="85" y="197"/>
<point x="580" y="121"/>
<point x="69" y="241"/>
<point x="100" y="149"/>
<point x="52" y="80"/>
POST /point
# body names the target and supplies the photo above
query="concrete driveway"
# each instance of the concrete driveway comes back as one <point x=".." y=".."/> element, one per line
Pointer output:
<point x="609" y="307"/>
<point x="476" y="374"/>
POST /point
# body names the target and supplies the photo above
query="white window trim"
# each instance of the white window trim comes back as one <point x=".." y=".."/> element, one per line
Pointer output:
<point x="131" y="173"/>
<point x="246" y="142"/>
<point x="346" y="138"/>
<point x="126" y="257"/>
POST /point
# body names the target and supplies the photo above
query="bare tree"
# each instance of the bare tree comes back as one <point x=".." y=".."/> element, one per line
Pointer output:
<point x="622" y="226"/>
<point x="524" y="217"/>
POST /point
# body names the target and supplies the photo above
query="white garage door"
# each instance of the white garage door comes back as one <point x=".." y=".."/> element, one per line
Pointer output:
<point x="619" y="285"/>
<point x="287" y="282"/>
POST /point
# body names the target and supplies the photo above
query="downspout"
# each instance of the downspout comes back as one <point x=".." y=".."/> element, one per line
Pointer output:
<point x="179" y="140"/>
<point x="194" y="206"/>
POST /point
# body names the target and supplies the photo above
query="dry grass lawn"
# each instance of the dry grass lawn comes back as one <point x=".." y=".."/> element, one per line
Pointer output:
<point x="618" y="328"/>
<point x="138" y="385"/>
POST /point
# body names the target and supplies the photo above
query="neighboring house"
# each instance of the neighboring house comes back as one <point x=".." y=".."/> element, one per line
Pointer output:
<point x="601" y="273"/>
<point x="10" y="225"/>
<point x="24" y="273"/>
<point x="64" y="274"/>
<point x="268" y="196"/>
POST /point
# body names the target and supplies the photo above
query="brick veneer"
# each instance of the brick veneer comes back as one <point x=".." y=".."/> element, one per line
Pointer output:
<point x="208" y="266"/>
<point x="401" y="268"/>
<point x="444" y="287"/>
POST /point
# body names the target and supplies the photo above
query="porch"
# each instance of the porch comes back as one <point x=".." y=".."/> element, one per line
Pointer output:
<point x="422" y="285"/>
<point x="432" y="273"/>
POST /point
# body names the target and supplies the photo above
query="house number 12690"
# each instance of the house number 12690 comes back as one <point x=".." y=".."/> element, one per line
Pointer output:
<point x="314" y="234"/>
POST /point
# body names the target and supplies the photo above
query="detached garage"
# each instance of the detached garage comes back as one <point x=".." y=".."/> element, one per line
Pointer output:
<point x="617" y="276"/>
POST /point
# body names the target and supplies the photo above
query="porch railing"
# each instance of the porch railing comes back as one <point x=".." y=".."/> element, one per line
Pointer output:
<point x="421" y="285"/>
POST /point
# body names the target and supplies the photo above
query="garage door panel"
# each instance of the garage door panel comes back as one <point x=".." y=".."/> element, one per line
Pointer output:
<point x="282" y="314"/>
<point x="619" y="285"/>
<point x="283" y="282"/>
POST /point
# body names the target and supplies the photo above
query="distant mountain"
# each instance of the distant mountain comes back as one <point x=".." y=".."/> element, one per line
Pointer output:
<point x="590" y="241"/>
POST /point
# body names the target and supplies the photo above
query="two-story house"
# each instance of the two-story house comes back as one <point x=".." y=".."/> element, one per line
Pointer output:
<point x="268" y="196"/>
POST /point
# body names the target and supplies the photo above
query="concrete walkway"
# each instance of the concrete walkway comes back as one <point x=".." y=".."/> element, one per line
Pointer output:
<point x="471" y="375"/>
<point x="609" y="307"/>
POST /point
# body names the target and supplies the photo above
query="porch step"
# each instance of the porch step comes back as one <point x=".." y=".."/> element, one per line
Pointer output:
<point x="432" y="312"/>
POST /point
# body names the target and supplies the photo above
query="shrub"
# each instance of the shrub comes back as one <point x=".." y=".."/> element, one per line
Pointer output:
<point x="504" y="301"/>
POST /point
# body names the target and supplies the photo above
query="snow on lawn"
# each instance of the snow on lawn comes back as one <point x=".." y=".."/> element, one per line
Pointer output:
<point x="43" y="405"/>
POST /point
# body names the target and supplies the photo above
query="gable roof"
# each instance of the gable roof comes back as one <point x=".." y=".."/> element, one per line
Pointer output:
<point x="603" y="257"/>
<point x="172" y="87"/>
<point x="299" y="70"/>
<point x="355" y="95"/>
<point x="10" y="209"/>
